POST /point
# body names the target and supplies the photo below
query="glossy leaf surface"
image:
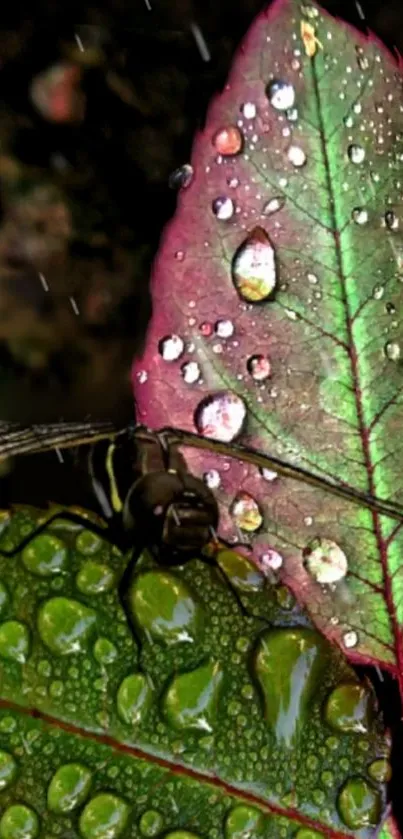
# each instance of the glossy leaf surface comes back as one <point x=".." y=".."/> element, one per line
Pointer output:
<point x="183" y="717"/>
<point x="277" y="295"/>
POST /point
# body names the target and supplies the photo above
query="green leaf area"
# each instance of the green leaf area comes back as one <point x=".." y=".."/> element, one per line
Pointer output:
<point x="182" y="715"/>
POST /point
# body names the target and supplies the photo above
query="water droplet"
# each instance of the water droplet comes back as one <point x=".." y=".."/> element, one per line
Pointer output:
<point x="274" y="205"/>
<point x="391" y="220"/>
<point x="296" y="156"/>
<point x="325" y="561"/>
<point x="104" y="817"/>
<point x="171" y="347"/>
<point x="392" y="350"/>
<point x="45" y="555"/>
<point x="380" y="770"/>
<point x="88" y="543"/>
<point x="221" y="416"/>
<point x="246" y="513"/>
<point x="190" y="702"/>
<point x="359" y="215"/>
<point x="243" y="574"/>
<point x="212" y="479"/>
<point x="307" y="833"/>
<point x="289" y="665"/>
<point x="104" y="651"/>
<point x="292" y="116"/>
<point x="206" y="329"/>
<point x="281" y="95"/>
<point x="259" y="367"/>
<point x="4" y="598"/>
<point x="268" y="474"/>
<point x="134" y="698"/>
<point x="349" y="708"/>
<point x="94" y="578"/>
<point x="356" y="153"/>
<point x="312" y="278"/>
<point x="228" y="141"/>
<point x="14" y="641"/>
<point x="19" y="822"/>
<point x="224" y="328"/>
<point x="350" y="639"/>
<point x="390" y="308"/>
<point x="151" y="823"/>
<point x="181" y="834"/>
<point x="191" y="372"/>
<point x="64" y="625"/>
<point x="271" y="560"/>
<point x="181" y="177"/>
<point x="244" y="822"/>
<point x="248" y="110"/>
<point x="378" y="291"/>
<point x="359" y="804"/>
<point x="69" y="788"/>
<point x="254" y="267"/>
<point x="8" y="769"/>
<point x="164" y="607"/>
<point x="362" y="62"/>
<point x="223" y="208"/>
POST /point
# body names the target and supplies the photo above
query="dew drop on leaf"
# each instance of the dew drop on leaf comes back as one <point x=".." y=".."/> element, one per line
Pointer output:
<point x="191" y="372"/>
<point x="296" y="156"/>
<point x="281" y="95"/>
<point x="274" y="205"/>
<point x="151" y="823"/>
<point x="271" y="560"/>
<point x="65" y="624"/>
<point x="392" y="350"/>
<point x="391" y="220"/>
<point x="325" y="561"/>
<point x="8" y="769"/>
<point x="378" y="292"/>
<point x="350" y="639"/>
<point x="268" y="474"/>
<point x="190" y="702"/>
<point x="104" y="817"/>
<point x="206" y="329"/>
<point x="248" y="110"/>
<point x="212" y="479"/>
<point x="259" y="367"/>
<point x="14" y="641"/>
<point x="224" y="328"/>
<point x="163" y="606"/>
<point x="359" y="804"/>
<point x="359" y="215"/>
<point x="228" y="141"/>
<point x="69" y="788"/>
<point x="221" y="416"/>
<point x="19" y="822"/>
<point x="349" y="708"/>
<point x="104" y="651"/>
<point x="292" y="114"/>
<point x="356" y="153"/>
<point x="45" y="555"/>
<point x="171" y="347"/>
<point x="380" y="770"/>
<point x="246" y="513"/>
<point x="243" y="822"/>
<point x="181" y="177"/>
<point x="223" y="208"/>
<point x="254" y="268"/>
<point x="134" y="698"/>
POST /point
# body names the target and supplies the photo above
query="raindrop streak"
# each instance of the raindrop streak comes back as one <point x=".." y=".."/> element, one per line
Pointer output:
<point x="228" y="141"/>
<point x="181" y="178"/>
<point x="325" y="561"/>
<point x="200" y="41"/>
<point x="221" y="416"/>
<point x="281" y="95"/>
<point x="253" y="267"/>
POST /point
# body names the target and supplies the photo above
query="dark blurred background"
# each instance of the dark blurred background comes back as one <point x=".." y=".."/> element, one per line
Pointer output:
<point x="99" y="104"/>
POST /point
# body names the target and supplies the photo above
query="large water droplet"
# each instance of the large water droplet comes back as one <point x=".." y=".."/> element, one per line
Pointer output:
<point x="69" y="788"/>
<point x="45" y="555"/>
<point x="380" y="771"/>
<point x="14" y="641"/>
<point x="221" y="416"/>
<point x="171" y="347"/>
<point x="8" y="769"/>
<point x="104" y="817"/>
<point x="104" y="651"/>
<point x="281" y="95"/>
<point x="359" y="215"/>
<point x="289" y="665"/>
<point x="325" y="561"/>
<point x="356" y="153"/>
<point x="246" y="513"/>
<point x="19" y="822"/>
<point x="94" y="578"/>
<point x="242" y="573"/>
<point x="223" y="207"/>
<point x="349" y="708"/>
<point x="88" y="543"/>
<point x="259" y="367"/>
<point x="244" y="822"/>
<point x="164" y="607"/>
<point x="359" y="804"/>
<point x="181" y="177"/>
<point x="190" y="703"/>
<point x="392" y="350"/>
<point x="65" y="625"/>
<point x="254" y="268"/>
<point x="296" y="156"/>
<point x="274" y="205"/>
<point x="151" y="823"/>
<point x="134" y="698"/>
<point x="228" y="141"/>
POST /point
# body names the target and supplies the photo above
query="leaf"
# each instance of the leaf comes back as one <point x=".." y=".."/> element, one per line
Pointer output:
<point x="184" y="717"/>
<point x="277" y="293"/>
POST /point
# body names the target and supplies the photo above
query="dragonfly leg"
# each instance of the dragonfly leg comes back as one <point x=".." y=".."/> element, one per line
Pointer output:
<point x="64" y="516"/>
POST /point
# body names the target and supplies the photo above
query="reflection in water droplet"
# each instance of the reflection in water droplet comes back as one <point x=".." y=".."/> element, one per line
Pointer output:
<point x="325" y="561"/>
<point x="254" y="268"/>
<point x="281" y="95"/>
<point x="64" y="625"/>
<point x="274" y="205"/>
<point x="104" y="817"/>
<point x="350" y="639"/>
<point x="243" y="574"/>
<point x="296" y="156"/>
<point x="392" y="350"/>
<point x="378" y="292"/>
<point x="228" y="141"/>
<point x="19" y="822"/>
<point x="248" y="110"/>
<point x="190" y="702"/>
<point x="165" y="608"/>
<point x="259" y="367"/>
<point x="151" y="823"/>
<point x="171" y="347"/>
<point x="212" y="479"/>
<point x="104" y="651"/>
<point x="69" y="788"/>
<point x="359" y="804"/>
<point x="246" y="513"/>
<point x="14" y="641"/>
<point x="191" y="372"/>
<point x="224" y="328"/>
<point x="359" y="215"/>
<point x="349" y="708"/>
<point x="181" y="177"/>
<point x="8" y="769"/>
<point x="134" y="698"/>
<point x="391" y="220"/>
<point x="380" y="770"/>
<point x="94" y="578"/>
<point x="223" y="208"/>
<point x="244" y="822"/>
<point x="356" y="153"/>
<point x="221" y="416"/>
<point x="45" y="555"/>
